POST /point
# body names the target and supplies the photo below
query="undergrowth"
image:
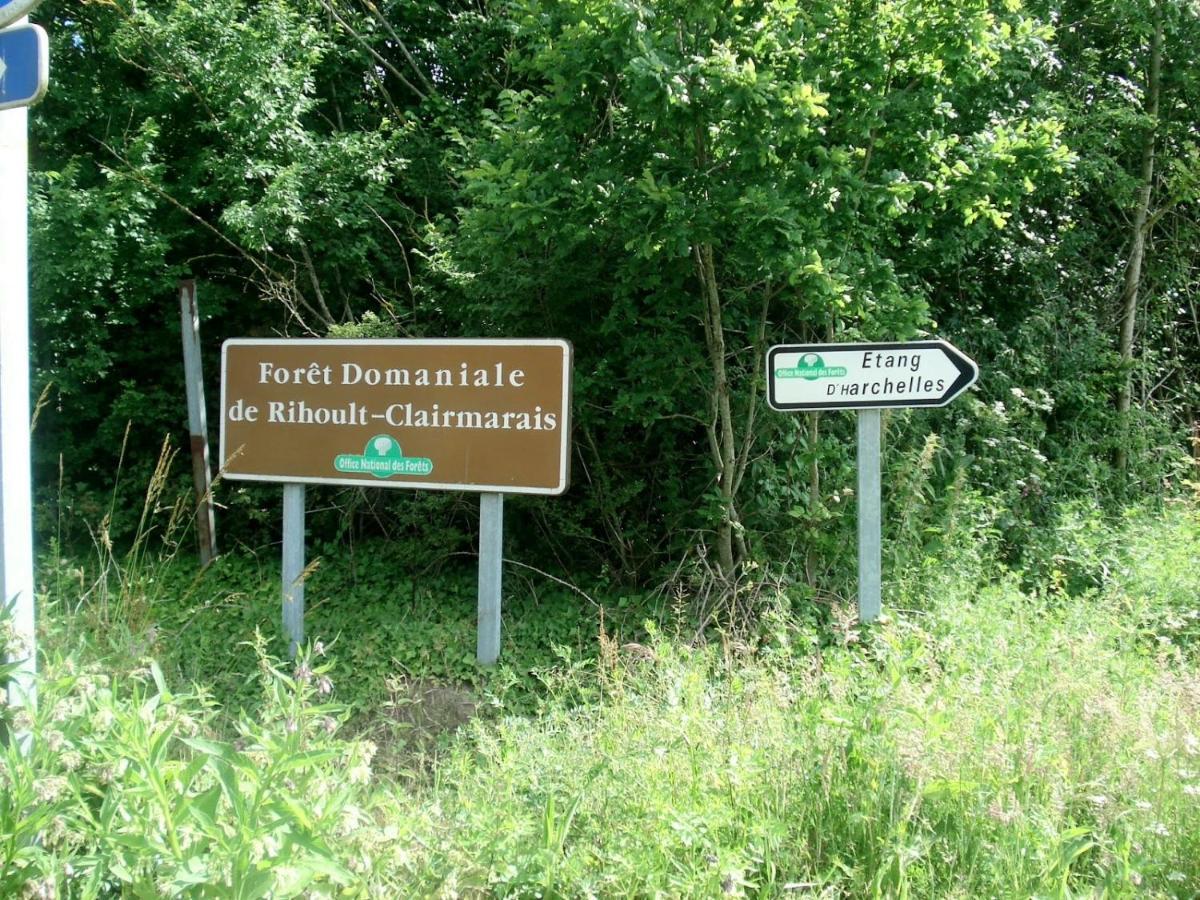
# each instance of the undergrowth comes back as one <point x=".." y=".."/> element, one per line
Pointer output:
<point x="984" y="739"/>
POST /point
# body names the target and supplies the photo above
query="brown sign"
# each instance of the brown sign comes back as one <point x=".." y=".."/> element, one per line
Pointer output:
<point x="477" y="415"/>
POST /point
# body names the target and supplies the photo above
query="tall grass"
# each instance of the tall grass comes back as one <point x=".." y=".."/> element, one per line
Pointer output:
<point x="1000" y="744"/>
<point x="110" y="598"/>
<point x="988" y="741"/>
<point x="127" y="791"/>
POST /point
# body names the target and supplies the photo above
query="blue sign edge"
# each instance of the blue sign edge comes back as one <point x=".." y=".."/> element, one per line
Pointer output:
<point x="43" y="66"/>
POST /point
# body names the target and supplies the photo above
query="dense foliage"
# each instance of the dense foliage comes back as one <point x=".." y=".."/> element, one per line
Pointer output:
<point x="686" y="705"/>
<point x="672" y="187"/>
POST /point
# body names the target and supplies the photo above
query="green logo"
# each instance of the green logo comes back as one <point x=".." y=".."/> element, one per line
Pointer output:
<point x="811" y="367"/>
<point x="382" y="457"/>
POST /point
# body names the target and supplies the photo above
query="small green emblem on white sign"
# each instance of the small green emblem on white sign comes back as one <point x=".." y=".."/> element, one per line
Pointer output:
<point x="382" y="457"/>
<point x="810" y="367"/>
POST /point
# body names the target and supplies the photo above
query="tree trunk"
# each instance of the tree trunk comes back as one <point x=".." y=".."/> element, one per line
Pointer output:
<point x="1137" y="249"/>
<point x="722" y="441"/>
<point x="1196" y="441"/>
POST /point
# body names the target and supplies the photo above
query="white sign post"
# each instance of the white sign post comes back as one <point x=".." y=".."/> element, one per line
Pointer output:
<point x="18" y="88"/>
<point x="12" y="10"/>
<point x="867" y="378"/>
<point x="16" y="518"/>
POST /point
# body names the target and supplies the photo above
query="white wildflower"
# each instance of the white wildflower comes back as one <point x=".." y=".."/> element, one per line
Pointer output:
<point x="71" y="760"/>
<point x="50" y="788"/>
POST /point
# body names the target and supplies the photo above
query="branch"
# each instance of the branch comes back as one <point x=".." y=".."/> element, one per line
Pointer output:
<point x="582" y="593"/>
<point x="756" y="370"/>
<point x="362" y="42"/>
<point x="403" y="49"/>
<point x="312" y="276"/>
<point x="146" y="182"/>
<point x="1167" y="207"/>
<point x="412" y="293"/>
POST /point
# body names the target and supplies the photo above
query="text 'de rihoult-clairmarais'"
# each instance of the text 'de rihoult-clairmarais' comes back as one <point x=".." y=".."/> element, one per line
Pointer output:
<point x="450" y="414"/>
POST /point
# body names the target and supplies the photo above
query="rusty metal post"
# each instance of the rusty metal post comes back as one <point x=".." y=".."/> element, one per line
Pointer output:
<point x="189" y="318"/>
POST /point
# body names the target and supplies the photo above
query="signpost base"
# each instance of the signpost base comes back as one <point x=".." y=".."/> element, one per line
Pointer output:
<point x="491" y="553"/>
<point x="293" y="566"/>
<point x="870" y="516"/>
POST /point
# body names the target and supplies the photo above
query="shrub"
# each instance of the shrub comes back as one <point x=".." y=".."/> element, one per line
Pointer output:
<point x="128" y="789"/>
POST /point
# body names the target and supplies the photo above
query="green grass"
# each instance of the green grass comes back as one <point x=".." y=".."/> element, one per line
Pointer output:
<point x="986" y="741"/>
<point x="381" y="620"/>
<point x="997" y="745"/>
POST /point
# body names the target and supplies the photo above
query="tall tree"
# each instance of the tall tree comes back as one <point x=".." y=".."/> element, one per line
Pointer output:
<point x="737" y="165"/>
<point x="1127" y="86"/>
<point x="1139" y="227"/>
<point x="262" y="148"/>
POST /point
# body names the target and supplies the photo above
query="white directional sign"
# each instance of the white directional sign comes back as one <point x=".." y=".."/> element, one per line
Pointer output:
<point x="11" y="10"/>
<point x="866" y="376"/>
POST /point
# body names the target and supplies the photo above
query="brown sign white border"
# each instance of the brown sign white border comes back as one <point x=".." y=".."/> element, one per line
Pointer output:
<point x="565" y="428"/>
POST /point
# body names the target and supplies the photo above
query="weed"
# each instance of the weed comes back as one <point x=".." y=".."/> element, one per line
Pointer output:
<point x="984" y="739"/>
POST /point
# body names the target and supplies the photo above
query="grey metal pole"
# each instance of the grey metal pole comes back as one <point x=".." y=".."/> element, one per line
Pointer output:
<point x="293" y="565"/>
<point x="491" y="552"/>
<point x="16" y="506"/>
<point x="189" y="320"/>
<point x="870" y="517"/>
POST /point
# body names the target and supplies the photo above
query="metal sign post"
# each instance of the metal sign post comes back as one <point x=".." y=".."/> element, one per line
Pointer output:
<point x="293" y="566"/>
<point x="491" y="553"/>
<point x="489" y="416"/>
<point x="24" y="73"/>
<point x="867" y="378"/>
<point x="870" y="517"/>
<point x="16" y="517"/>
